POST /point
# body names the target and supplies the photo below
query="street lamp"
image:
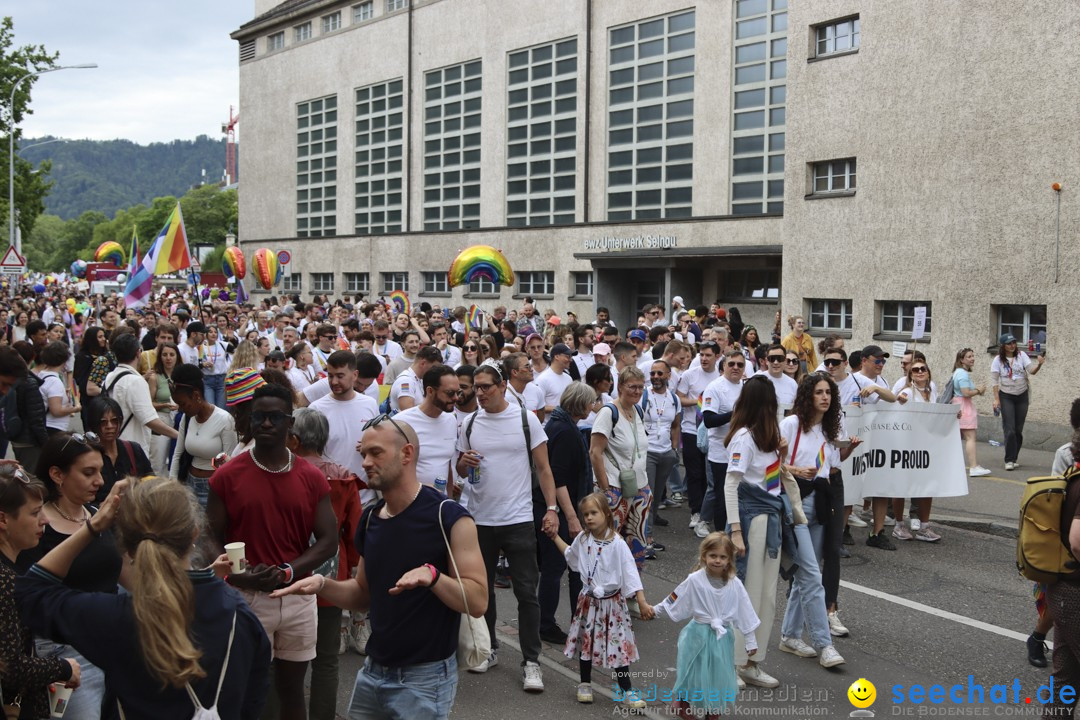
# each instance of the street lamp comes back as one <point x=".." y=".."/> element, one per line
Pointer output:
<point x="11" y="146"/>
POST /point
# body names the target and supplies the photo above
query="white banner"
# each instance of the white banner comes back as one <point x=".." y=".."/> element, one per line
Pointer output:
<point x="908" y="451"/>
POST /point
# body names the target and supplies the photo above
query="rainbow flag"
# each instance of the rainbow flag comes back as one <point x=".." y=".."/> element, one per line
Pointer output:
<point x="772" y="478"/>
<point x="474" y="318"/>
<point x="819" y="461"/>
<point x="699" y="416"/>
<point x="133" y="264"/>
<point x="168" y="253"/>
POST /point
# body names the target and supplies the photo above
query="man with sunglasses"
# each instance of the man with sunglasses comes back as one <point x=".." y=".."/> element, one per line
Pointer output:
<point x="661" y="411"/>
<point x="872" y="389"/>
<point x="499" y="448"/>
<point x="690" y="389"/>
<point x="785" y="387"/>
<point x="717" y="406"/>
<point x="435" y="426"/>
<point x="274" y="502"/>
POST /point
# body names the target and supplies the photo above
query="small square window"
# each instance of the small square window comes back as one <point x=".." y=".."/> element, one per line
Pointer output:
<point x="830" y="314"/>
<point x="363" y="11"/>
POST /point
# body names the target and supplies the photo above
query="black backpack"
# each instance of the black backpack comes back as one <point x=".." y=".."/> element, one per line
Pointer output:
<point x="9" y="406"/>
<point x="107" y="390"/>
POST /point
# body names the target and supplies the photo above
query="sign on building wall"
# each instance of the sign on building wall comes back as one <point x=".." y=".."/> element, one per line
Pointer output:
<point x="637" y="242"/>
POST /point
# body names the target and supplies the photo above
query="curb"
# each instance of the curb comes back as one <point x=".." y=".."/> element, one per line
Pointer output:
<point x="988" y="527"/>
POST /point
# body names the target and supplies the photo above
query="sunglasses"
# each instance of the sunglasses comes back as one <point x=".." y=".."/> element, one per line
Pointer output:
<point x="661" y="373"/>
<point x="736" y="364"/>
<point x="776" y="358"/>
<point x="470" y="348"/>
<point x="710" y="345"/>
<point x="919" y="369"/>
<point x="276" y="417"/>
<point x="83" y="439"/>
<point x="374" y="422"/>
<point x="879" y="361"/>
<point x="833" y="362"/>
<point x="792" y="361"/>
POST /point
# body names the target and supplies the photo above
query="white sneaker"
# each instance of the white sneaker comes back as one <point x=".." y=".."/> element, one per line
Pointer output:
<point x="754" y="675"/>
<point x="632" y="699"/>
<point x="359" y="632"/>
<point x="584" y="693"/>
<point x="836" y="628"/>
<point x="855" y="521"/>
<point x="702" y="529"/>
<point x="1010" y="466"/>
<point x="483" y="667"/>
<point x="915" y="523"/>
<point x="695" y="519"/>
<point x="343" y="644"/>
<point x="830" y="658"/>
<point x="797" y="647"/>
<point x="978" y="471"/>
<point x="740" y="681"/>
<point x="531" y="680"/>
<point x="889" y="522"/>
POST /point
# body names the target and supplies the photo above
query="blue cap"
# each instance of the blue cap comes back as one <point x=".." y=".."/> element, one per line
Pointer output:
<point x="638" y="335"/>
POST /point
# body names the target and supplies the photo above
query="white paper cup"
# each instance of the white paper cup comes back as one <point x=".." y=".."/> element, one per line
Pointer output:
<point x="58" y="699"/>
<point x="235" y="551"/>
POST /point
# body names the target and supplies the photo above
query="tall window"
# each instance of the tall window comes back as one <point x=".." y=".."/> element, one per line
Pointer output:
<point x="357" y="282"/>
<point x="899" y="317"/>
<point x="275" y="41"/>
<point x="436" y="282"/>
<point x="331" y="22"/>
<point x="749" y="284"/>
<point x="483" y="286"/>
<point x="316" y="167"/>
<point x="392" y="5"/>
<point x="322" y="282"/>
<point x="537" y="283"/>
<point x="363" y="11"/>
<point x="759" y="107"/>
<point x="1024" y="322"/>
<point x="837" y="37"/>
<point x="378" y="158"/>
<point x="830" y="314"/>
<point x="651" y="119"/>
<point x="452" y="147"/>
<point x="292" y="283"/>
<point x="583" y="284"/>
<point x="834" y="176"/>
<point x="302" y="32"/>
<point x="395" y="281"/>
<point x="542" y="135"/>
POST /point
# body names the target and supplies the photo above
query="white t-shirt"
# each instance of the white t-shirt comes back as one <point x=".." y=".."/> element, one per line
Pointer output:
<point x="810" y="444"/>
<point x="217" y="356"/>
<point x="744" y="456"/>
<point x="438" y="443"/>
<point x="606" y="566"/>
<point x="1011" y="376"/>
<point x="693" y="383"/>
<point x="584" y="361"/>
<point x="301" y="379"/>
<point x="133" y="395"/>
<point x="720" y="397"/>
<point x="914" y="396"/>
<point x="661" y="412"/>
<point x="785" y="388"/>
<point x="532" y="397"/>
<point x="407" y="384"/>
<point x="347" y="418"/>
<point x="862" y="381"/>
<point x="52" y="386"/>
<point x="848" y="390"/>
<point x="321" y="388"/>
<point x="389" y="351"/>
<point x="451" y="355"/>
<point x="188" y="354"/>
<point x="552" y="384"/>
<point x="503" y="493"/>
<point x="204" y="441"/>
<point x="628" y="445"/>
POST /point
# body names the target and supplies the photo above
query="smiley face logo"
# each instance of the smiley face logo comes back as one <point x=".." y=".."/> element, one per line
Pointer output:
<point x="862" y="693"/>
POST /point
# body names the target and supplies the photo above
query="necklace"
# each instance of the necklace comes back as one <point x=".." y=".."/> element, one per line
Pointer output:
<point x="68" y="517"/>
<point x="285" y="468"/>
<point x="415" y="495"/>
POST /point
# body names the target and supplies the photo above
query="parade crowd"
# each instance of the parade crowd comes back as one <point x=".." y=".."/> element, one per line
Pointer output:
<point x="207" y="498"/>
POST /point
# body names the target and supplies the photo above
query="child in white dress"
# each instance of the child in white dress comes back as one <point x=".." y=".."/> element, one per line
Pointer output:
<point x="601" y="632"/>
<point x="714" y="600"/>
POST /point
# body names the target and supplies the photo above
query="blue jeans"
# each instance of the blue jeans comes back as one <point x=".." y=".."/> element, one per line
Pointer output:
<point x="426" y="690"/>
<point x="709" y="500"/>
<point x="806" y="603"/>
<point x="214" y="390"/>
<point x="85" y="703"/>
<point x="200" y="486"/>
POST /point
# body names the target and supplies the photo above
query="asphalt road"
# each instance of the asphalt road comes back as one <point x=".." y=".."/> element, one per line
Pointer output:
<point x="925" y="614"/>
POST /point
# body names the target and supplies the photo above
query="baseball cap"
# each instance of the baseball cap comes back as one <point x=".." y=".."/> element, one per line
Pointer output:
<point x="638" y="335"/>
<point x="196" y="327"/>
<point x="554" y="320"/>
<point x="1006" y="338"/>
<point x="241" y="384"/>
<point x="874" y="351"/>
<point x="601" y="349"/>
<point x="562" y="349"/>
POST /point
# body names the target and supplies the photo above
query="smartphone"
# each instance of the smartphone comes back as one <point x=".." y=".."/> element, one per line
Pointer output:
<point x="842" y="443"/>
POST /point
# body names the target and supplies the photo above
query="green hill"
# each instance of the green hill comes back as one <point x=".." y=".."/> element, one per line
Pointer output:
<point x="108" y="175"/>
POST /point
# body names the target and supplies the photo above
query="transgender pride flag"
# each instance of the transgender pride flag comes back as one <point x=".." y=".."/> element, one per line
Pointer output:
<point x="168" y="253"/>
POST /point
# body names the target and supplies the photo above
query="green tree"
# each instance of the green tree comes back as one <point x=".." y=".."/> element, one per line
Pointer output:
<point x="38" y="247"/>
<point x="31" y="186"/>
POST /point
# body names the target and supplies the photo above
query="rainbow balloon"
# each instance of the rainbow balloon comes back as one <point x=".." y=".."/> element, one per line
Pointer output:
<point x="78" y="268"/>
<point x="232" y="263"/>
<point x="110" y="252"/>
<point x="401" y="302"/>
<point x="266" y="268"/>
<point x="480" y="261"/>
<point x="474" y="317"/>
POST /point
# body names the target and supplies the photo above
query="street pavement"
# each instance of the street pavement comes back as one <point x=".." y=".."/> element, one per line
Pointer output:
<point x="925" y="614"/>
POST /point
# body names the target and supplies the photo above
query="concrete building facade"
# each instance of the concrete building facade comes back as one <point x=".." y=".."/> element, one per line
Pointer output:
<point x="844" y="161"/>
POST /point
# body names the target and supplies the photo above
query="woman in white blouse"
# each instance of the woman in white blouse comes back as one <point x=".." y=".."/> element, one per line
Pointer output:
<point x="215" y="356"/>
<point x="205" y="432"/>
<point x="1009" y="373"/>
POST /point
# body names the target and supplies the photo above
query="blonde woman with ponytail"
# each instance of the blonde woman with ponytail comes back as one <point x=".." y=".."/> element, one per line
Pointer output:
<point x="182" y="637"/>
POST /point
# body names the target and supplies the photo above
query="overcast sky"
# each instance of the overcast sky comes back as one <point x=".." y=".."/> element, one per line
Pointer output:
<point x="166" y="70"/>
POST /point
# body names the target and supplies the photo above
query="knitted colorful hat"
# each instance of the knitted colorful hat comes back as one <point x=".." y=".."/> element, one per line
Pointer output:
<point x="241" y="384"/>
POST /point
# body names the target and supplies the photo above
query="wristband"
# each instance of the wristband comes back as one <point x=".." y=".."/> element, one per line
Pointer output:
<point x="553" y="508"/>
<point x="434" y="574"/>
<point x="288" y="569"/>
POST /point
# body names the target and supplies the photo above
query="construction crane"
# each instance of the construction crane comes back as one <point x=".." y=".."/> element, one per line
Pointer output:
<point x="228" y="129"/>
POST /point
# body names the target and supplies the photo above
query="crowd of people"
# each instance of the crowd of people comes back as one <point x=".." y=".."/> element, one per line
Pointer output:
<point x="358" y="456"/>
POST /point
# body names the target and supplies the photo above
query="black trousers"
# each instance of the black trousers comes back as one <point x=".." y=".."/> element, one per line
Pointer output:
<point x="830" y="513"/>
<point x="694" y="462"/>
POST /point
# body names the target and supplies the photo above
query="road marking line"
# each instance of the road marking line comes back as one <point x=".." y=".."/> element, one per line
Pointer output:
<point x="944" y="614"/>
<point x="1001" y="480"/>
